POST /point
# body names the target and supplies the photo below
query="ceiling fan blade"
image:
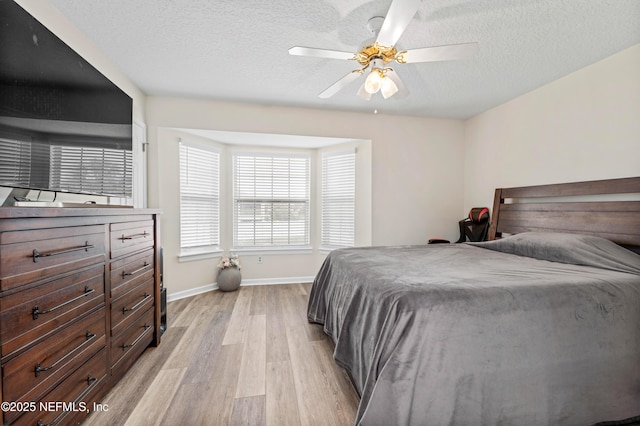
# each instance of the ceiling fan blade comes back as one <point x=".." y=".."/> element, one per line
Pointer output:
<point x="439" y="53"/>
<point x="398" y="17"/>
<point x="340" y="84"/>
<point x="319" y="53"/>
<point x="403" y="92"/>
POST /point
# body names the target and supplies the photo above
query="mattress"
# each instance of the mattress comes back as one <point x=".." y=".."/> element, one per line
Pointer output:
<point x="534" y="329"/>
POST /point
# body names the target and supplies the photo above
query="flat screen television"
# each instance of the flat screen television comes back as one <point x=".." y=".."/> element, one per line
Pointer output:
<point x="64" y="126"/>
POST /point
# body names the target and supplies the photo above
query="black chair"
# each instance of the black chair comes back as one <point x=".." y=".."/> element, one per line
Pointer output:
<point x="475" y="227"/>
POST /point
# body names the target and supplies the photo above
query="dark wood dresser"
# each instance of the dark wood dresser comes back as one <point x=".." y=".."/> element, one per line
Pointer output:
<point x="79" y="303"/>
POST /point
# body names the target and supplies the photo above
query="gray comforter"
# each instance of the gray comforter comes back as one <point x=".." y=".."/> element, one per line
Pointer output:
<point x="486" y="334"/>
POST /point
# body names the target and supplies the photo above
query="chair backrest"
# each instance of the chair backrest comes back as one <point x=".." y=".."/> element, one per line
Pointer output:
<point x="475" y="227"/>
<point x="479" y="214"/>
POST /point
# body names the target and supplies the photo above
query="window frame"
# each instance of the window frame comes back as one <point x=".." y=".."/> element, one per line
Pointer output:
<point x="206" y="250"/>
<point x="346" y="194"/>
<point x="238" y="246"/>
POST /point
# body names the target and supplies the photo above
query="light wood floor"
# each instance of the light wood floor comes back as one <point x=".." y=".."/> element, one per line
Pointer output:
<point x="247" y="357"/>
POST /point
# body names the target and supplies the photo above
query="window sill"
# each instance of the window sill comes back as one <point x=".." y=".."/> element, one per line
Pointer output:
<point x="264" y="251"/>
<point x="198" y="255"/>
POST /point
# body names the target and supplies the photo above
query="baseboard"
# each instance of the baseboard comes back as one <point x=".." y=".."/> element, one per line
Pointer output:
<point x="191" y="292"/>
<point x="245" y="282"/>
<point x="272" y="281"/>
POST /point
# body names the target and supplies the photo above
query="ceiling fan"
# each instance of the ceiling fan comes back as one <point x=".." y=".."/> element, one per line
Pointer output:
<point x="376" y="56"/>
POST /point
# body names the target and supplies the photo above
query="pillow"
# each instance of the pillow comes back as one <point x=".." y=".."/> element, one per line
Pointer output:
<point x="576" y="249"/>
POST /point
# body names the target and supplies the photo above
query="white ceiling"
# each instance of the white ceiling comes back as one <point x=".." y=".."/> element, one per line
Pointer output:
<point x="237" y="49"/>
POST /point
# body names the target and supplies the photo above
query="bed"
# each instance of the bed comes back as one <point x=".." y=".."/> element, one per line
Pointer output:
<point x="538" y="326"/>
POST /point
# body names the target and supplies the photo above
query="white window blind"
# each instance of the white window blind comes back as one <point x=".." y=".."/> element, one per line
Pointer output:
<point x="271" y="200"/>
<point x="338" y="199"/>
<point x="199" y="197"/>
<point x="15" y="162"/>
<point x="91" y="170"/>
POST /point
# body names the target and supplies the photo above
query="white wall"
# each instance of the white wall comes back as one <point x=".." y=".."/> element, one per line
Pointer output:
<point x="416" y="175"/>
<point x="585" y="126"/>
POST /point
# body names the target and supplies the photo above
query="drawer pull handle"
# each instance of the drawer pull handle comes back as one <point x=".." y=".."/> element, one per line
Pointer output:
<point x="125" y="346"/>
<point x="145" y="266"/>
<point x="134" y="236"/>
<point x="38" y="368"/>
<point x="42" y="424"/>
<point x="137" y="305"/>
<point x="36" y="311"/>
<point x="37" y="254"/>
<point x="91" y="380"/>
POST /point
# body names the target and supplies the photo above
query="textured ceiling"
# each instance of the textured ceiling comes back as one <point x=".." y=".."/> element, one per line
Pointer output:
<point x="237" y="49"/>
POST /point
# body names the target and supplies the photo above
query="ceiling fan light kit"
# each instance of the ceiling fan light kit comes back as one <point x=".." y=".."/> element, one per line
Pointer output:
<point x="377" y="81"/>
<point x="383" y="51"/>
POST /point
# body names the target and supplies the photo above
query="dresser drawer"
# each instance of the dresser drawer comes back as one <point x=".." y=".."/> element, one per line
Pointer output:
<point x="129" y="270"/>
<point x="28" y="376"/>
<point x="130" y="305"/>
<point x="75" y="390"/>
<point x="129" y="237"/>
<point x="133" y="339"/>
<point x="37" y="312"/>
<point x="31" y="255"/>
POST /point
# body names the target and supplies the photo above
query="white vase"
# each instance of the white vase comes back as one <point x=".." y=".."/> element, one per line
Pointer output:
<point x="229" y="279"/>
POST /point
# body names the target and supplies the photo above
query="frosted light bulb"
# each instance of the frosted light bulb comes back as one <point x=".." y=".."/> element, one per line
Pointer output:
<point x="373" y="82"/>
<point x="388" y="88"/>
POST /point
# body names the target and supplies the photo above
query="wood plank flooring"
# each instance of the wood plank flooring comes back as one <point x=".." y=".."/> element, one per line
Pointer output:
<point x="247" y="357"/>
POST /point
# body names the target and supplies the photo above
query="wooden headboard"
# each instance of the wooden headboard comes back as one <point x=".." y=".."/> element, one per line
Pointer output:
<point x="521" y="209"/>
